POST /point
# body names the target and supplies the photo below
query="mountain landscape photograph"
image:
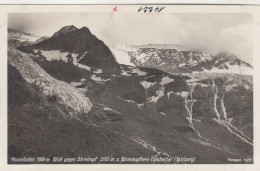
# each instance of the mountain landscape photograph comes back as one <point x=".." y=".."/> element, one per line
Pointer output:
<point x="93" y="88"/>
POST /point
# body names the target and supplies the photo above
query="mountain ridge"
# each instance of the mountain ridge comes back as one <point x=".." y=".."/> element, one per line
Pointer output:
<point x="90" y="50"/>
<point x="181" y="61"/>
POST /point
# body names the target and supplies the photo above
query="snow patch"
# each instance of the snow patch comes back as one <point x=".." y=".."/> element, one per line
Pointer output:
<point x="99" y="79"/>
<point x="98" y="71"/>
<point x="109" y="109"/>
<point x="203" y="85"/>
<point x="169" y="93"/>
<point x="95" y="78"/>
<point x="181" y="65"/>
<point x="166" y="80"/>
<point x="163" y="113"/>
<point x="229" y="87"/>
<point x="147" y="84"/>
<point x="83" y="66"/>
<point x="139" y="105"/>
<point x="196" y="120"/>
<point x="159" y="94"/>
<point x="163" y="63"/>
<point x="182" y="94"/>
<point x="150" y="77"/>
<point x="235" y="69"/>
<point x="193" y="79"/>
<point x="57" y="55"/>
<point x="125" y="73"/>
<point x="138" y="72"/>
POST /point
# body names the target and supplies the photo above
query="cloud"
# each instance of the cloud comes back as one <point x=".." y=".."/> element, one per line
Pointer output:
<point x="240" y="31"/>
<point x="213" y="31"/>
<point x="238" y="39"/>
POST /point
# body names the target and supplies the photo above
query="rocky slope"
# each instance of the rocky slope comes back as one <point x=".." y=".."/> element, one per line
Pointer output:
<point x="61" y="92"/>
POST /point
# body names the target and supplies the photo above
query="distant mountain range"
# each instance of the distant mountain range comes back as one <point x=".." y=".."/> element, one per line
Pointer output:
<point x="72" y="95"/>
<point x="17" y="39"/>
<point x="180" y="59"/>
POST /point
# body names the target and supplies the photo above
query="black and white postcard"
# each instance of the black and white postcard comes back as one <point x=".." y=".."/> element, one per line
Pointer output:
<point x="130" y="84"/>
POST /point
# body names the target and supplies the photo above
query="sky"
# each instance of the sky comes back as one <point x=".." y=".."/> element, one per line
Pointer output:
<point x="214" y="31"/>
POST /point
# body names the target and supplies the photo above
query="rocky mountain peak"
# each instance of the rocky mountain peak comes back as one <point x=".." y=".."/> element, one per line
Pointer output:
<point x="85" y="29"/>
<point x="90" y="50"/>
<point x="64" y="30"/>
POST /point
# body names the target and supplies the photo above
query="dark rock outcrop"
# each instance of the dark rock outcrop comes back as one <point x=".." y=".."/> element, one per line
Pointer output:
<point x="80" y="41"/>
